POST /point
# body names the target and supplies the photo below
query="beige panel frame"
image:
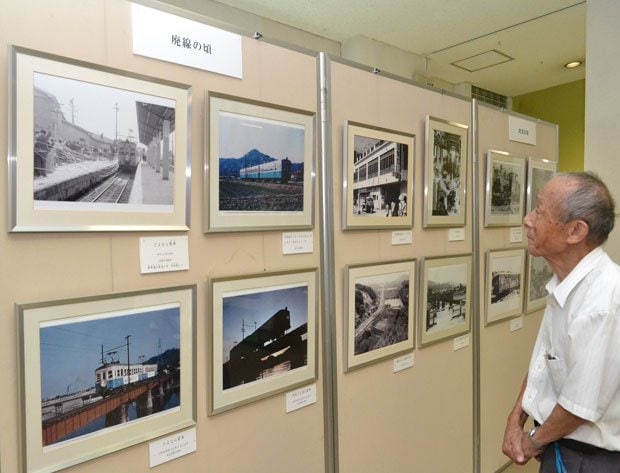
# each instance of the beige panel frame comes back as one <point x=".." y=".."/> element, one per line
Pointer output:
<point x="422" y="400"/>
<point x="66" y="265"/>
<point x="503" y="355"/>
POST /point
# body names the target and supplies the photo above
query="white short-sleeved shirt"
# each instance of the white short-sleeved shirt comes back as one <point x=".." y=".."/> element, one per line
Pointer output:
<point x="576" y="358"/>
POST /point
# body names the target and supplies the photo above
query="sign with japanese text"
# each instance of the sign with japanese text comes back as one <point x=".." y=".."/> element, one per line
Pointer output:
<point x="521" y="130"/>
<point x="163" y="254"/>
<point x="171" y="38"/>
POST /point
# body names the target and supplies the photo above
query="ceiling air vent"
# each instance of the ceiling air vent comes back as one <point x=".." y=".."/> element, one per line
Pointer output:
<point x="489" y="97"/>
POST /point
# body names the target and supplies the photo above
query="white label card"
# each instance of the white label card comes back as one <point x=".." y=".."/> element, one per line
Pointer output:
<point x="456" y="234"/>
<point x="461" y="342"/>
<point x="297" y="242"/>
<point x="403" y="362"/>
<point x="516" y="235"/>
<point x="301" y="397"/>
<point x="516" y="324"/>
<point x="162" y="254"/>
<point x="402" y="237"/>
<point x="174" y="446"/>
<point x="521" y="130"/>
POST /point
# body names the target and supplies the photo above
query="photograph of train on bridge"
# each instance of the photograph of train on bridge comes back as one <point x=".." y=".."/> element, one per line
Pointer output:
<point x="102" y="146"/>
<point x="446" y="298"/>
<point x="504" y="284"/>
<point x="378" y="165"/>
<point x="539" y="273"/>
<point x="260" y="165"/>
<point x="380" y="311"/>
<point x="505" y="189"/>
<point x="445" y="169"/>
<point x="105" y="368"/>
<point x="263" y="330"/>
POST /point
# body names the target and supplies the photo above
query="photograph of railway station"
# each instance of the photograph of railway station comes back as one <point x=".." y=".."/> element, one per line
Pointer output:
<point x="107" y="370"/>
<point x="261" y="164"/>
<point x="381" y="311"/>
<point x="97" y="146"/>
<point x="264" y="334"/>
<point x="380" y="178"/>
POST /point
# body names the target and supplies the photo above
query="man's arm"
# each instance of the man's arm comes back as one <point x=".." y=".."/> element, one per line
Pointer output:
<point x="513" y="434"/>
<point x="559" y="424"/>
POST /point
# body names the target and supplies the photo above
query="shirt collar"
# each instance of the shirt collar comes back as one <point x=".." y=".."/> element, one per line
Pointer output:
<point x="562" y="289"/>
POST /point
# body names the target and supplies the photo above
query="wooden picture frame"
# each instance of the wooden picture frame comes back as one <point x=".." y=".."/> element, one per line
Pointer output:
<point x="378" y="178"/>
<point x="279" y="312"/>
<point x="445" y="298"/>
<point x="89" y="345"/>
<point x="260" y="166"/>
<point x="445" y="173"/>
<point x="122" y="163"/>
<point x="505" y="278"/>
<point x="505" y="190"/>
<point x="380" y="311"/>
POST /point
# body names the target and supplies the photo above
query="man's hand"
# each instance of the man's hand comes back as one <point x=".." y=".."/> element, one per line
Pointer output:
<point x="513" y="446"/>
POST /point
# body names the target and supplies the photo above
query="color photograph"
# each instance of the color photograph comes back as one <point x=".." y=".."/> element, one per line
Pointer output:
<point x="261" y="158"/>
<point x="263" y="333"/>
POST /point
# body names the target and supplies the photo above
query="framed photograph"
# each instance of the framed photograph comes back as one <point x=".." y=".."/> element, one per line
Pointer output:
<point x="504" y="284"/>
<point x="379" y="311"/>
<point x="539" y="172"/>
<point x="445" y="173"/>
<point x="95" y="149"/>
<point x="102" y="373"/>
<point x="263" y="336"/>
<point x="539" y="273"/>
<point x="260" y="166"/>
<point x="445" y="298"/>
<point x="505" y="190"/>
<point x="378" y="178"/>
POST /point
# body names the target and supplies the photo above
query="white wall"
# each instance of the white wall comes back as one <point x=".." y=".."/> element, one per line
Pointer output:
<point x="602" y="147"/>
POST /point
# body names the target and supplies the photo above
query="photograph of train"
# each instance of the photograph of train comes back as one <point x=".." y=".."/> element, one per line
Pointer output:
<point x="97" y="146"/>
<point x="381" y="311"/>
<point x="261" y="164"/>
<point x="506" y="189"/>
<point x="264" y="334"/>
<point x="505" y="271"/>
<point x="108" y="369"/>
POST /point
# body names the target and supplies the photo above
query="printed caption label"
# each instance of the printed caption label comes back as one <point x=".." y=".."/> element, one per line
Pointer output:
<point x="162" y="254"/>
<point x="297" y="242"/>
<point x="301" y="397"/>
<point x="169" y="448"/>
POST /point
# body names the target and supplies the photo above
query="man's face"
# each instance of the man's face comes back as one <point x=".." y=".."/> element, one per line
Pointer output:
<point x="545" y="233"/>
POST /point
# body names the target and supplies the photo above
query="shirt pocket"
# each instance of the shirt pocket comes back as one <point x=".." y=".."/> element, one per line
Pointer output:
<point x="557" y="373"/>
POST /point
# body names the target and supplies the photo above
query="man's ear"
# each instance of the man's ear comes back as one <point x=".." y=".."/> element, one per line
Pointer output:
<point x="578" y="231"/>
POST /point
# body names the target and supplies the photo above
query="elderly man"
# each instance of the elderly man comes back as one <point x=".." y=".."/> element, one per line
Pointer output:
<point x="572" y="390"/>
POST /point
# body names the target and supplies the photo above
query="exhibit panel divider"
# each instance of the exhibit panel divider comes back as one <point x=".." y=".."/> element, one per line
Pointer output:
<point x="387" y="420"/>
<point x="507" y="329"/>
<point x="39" y="267"/>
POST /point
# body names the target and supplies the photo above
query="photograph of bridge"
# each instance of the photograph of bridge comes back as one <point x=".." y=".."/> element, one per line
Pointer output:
<point x="103" y="370"/>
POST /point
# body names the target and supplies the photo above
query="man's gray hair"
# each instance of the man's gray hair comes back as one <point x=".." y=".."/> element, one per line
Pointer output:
<point x="589" y="200"/>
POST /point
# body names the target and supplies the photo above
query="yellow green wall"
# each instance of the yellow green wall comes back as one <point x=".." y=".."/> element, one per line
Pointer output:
<point x="564" y="105"/>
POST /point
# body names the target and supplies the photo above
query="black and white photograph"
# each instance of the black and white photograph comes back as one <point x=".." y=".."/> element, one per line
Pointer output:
<point x="379" y="168"/>
<point x="505" y="189"/>
<point x="260" y="160"/>
<point x="446" y="298"/>
<point x="505" y="278"/>
<point x="445" y="173"/>
<point x="538" y="275"/>
<point x="380" y="311"/>
<point x="263" y="336"/>
<point x="539" y="172"/>
<point x="106" y="150"/>
<point x="105" y="372"/>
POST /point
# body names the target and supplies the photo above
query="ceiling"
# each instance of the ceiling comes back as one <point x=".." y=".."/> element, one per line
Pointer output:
<point x="507" y="46"/>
